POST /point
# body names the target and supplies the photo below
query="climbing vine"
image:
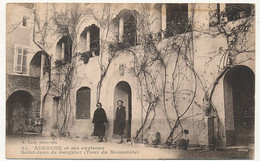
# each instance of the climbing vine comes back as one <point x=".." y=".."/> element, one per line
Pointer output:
<point x="163" y="63"/>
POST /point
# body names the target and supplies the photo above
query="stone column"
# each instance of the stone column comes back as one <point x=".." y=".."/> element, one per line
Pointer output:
<point x="156" y="20"/>
<point x="42" y="81"/>
<point x="87" y="41"/>
<point x="121" y="29"/>
<point x="222" y="7"/>
<point x="62" y="51"/>
<point x="163" y="16"/>
<point x="49" y="116"/>
<point x="201" y="16"/>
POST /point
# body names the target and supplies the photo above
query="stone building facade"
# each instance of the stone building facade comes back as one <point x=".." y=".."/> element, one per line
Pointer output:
<point x="126" y="31"/>
<point x="22" y="71"/>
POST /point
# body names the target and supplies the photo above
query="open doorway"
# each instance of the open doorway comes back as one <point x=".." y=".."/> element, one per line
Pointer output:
<point x="239" y="92"/>
<point x="18" y="106"/>
<point x="123" y="92"/>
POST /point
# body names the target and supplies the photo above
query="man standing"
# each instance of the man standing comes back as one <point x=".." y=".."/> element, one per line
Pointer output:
<point x="99" y="120"/>
<point x="120" y="120"/>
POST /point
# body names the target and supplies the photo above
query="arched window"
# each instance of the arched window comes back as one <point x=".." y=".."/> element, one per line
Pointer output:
<point x="90" y="39"/>
<point x="83" y="98"/>
<point x="125" y="28"/>
<point x="129" y="29"/>
<point x="64" y="49"/>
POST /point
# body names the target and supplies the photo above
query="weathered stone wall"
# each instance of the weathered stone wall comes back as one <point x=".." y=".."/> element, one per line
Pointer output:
<point x="28" y="84"/>
<point x="204" y="47"/>
<point x="16" y="116"/>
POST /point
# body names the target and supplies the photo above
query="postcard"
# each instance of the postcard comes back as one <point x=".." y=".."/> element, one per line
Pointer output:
<point x="130" y="80"/>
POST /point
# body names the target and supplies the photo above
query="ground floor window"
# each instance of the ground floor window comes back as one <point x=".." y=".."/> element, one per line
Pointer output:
<point x="83" y="103"/>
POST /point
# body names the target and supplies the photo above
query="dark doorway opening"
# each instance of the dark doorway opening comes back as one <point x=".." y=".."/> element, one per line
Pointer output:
<point x="239" y="88"/>
<point x="123" y="92"/>
<point x="18" y="106"/>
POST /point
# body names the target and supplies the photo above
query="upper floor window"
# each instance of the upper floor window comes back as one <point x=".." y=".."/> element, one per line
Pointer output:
<point x="177" y="18"/>
<point x="20" y="60"/>
<point x="238" y="11"/>
<point x="90" y="38"/>
<point x="25" y="21"/>
<point x="64" y="49"/>
<point x="129" y="29"/>
<point x="126" y="24"/>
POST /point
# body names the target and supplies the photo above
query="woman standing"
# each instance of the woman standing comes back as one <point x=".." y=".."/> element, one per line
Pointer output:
<point x="99" y="120"/>
<point x="120" y="120"/>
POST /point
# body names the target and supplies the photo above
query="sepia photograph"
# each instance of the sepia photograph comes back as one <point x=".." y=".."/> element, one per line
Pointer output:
<point x="130" y="81"/>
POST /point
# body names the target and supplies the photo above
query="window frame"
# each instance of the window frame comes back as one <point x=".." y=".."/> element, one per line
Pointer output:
<point x="123" y="21"/>
<point x="90" y="39"/>
<point x="25" y="22"/>
<point x="24" y="66"/>
<point x="27" y="19"/>
<point x="131" y="22"/>
<point x="64" y="49"/>
<point x="175" y="8"/>
<point x="87" y="114"/>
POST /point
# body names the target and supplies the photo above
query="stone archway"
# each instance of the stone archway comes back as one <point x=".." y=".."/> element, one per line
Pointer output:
<point x="123" y="92"/>
<point x="239" y="92"/>
<point x="18" y="106"/>
<point x="35" y="65"/>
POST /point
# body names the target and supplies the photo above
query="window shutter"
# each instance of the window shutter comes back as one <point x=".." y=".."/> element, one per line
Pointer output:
<point x="24" y="65"/>
<point x="19" y="60"/>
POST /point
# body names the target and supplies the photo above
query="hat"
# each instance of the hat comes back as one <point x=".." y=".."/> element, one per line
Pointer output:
<point x="120" y="101"/>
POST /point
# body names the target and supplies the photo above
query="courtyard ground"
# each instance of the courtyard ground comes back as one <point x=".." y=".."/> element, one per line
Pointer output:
<point x="77" y="148"/>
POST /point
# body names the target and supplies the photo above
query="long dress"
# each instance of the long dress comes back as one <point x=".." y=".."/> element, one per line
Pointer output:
<point x="99" y="119"/>
<point x="119" y="125"/>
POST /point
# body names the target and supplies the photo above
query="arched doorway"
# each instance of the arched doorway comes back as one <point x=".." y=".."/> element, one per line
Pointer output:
<point x="123" y="92"/>
<point x="239" y="92"/>
<point x="18" y="106"/>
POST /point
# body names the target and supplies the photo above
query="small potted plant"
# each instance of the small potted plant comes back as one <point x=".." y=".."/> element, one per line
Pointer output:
<point x="167" y="33"/>
<point x="95" y="51"/>
<point x="85" y="56"/>
<point x="54" y="130"/>
<point x="182" y="144"/>
<point x="159" y="34"/>
<point x="59" y="63"/>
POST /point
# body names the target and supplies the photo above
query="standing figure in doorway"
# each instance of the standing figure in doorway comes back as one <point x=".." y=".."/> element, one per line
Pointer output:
<point x="120" y="120"/>
<point x="99" y="120"/>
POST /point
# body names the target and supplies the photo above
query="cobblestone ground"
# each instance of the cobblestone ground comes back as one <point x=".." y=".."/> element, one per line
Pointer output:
<point x="45" y="147"/>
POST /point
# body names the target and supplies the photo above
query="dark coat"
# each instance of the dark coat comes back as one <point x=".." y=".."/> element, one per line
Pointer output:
<point x="119" y="125"/>
<point x="99" y="119"/>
